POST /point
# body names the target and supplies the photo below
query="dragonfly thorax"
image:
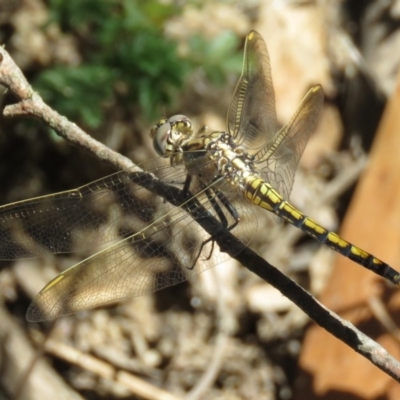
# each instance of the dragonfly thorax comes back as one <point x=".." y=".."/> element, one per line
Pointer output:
<point x="232" y="161"/>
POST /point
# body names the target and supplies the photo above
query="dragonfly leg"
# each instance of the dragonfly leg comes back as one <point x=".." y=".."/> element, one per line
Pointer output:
<point x="223" y="220"/>
<point x="232" y="211"/>
<point x="186" y="185"/>
<point x="211" y="195"/>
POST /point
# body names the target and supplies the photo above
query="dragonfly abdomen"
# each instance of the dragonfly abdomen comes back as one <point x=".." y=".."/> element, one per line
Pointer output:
<point x="262" y="194"/>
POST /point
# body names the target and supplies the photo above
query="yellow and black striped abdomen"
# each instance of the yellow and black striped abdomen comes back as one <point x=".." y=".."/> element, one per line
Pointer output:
<point x="260" y="193"/>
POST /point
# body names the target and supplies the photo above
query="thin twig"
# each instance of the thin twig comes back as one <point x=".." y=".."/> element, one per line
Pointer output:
<point x="135" y="385"/>
<point x="341" y="329"/>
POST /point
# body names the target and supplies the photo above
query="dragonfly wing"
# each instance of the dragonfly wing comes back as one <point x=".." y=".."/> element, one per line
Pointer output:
<point x="283" y="154"/>
<point x="142" y="263"/>
<point x="252" y="114"/>
<point x="100" y="212"/>
<point x="163" y="253"/>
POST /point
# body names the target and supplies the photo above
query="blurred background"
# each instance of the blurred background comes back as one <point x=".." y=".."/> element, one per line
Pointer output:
<point x="114" y="67"/>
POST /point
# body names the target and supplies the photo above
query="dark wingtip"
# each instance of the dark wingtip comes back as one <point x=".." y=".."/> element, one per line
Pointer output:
<point x="34" y="314"/>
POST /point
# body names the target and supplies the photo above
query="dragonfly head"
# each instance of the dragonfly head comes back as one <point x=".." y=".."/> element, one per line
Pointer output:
<point x="168" y="133"/>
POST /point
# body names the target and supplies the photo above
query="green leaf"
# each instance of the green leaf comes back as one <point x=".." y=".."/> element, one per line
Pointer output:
<point x="122" y="45"/>
<point x="78" y="92"/>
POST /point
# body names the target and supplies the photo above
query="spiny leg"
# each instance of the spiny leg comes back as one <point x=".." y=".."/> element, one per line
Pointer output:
<point x="231" y="209"/>
<point x="223" y="221"/>
<point x="186" y="185"/>
<point x="211" y="195"/>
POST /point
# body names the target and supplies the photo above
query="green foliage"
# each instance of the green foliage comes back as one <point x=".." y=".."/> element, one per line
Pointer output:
<point x="218" y="57"/>
<point x="77" y="92"/>
<point x="126" y="60"/>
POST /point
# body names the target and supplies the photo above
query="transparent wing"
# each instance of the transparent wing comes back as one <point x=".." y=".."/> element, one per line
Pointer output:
<point x="143" y="263"/>
<point x="151" y="243"/>
<point x="252" y="118"/>
<point x="81" y="218"/>
<point x="251" y="114"/>
<point x="283" y="153"/>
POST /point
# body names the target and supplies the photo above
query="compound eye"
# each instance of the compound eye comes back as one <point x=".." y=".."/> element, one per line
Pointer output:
<point x="160" y="137"/>
<point x="181" y="123"/>
<point x="155" y="127"/>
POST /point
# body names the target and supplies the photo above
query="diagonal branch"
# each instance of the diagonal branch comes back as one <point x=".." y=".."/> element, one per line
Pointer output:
<point x="30" y="104"/>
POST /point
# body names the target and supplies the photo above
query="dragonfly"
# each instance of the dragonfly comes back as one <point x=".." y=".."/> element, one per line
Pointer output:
<point x="148" y="239"/>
